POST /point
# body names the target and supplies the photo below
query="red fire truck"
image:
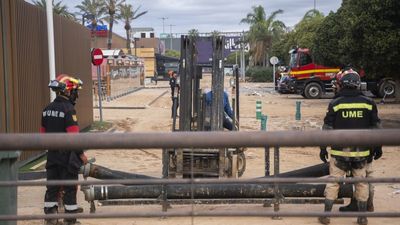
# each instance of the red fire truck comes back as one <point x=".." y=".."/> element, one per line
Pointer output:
<point x="312" y="80"/>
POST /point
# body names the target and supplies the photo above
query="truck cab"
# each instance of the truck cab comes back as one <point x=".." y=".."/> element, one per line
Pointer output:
<point x="308" y="78"/>
<point x="312" y="80"/>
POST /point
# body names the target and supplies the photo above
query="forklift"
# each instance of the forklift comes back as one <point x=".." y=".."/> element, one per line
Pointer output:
<point x="195" y="115"/>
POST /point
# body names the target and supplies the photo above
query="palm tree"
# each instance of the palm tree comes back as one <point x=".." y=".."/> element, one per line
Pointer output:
<point x="311" y="14"/>
<point x="262" y="32"/>
<point x="215" y="33"/>
<point x="193" y="33"/>
<point x="95" y="8"/>
<point x="128" y="15"/>
<point x="58" y="8"/>
<point x="113" y="17"/>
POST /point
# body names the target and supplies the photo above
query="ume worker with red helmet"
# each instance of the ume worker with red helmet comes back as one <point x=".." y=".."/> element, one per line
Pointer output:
<point x="349" y="110"/>
<point x="60" y="117"/>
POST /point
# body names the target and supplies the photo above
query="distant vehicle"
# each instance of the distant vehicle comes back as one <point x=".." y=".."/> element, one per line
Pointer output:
<point x="165" y="64"/>
<point x="284" y="84"/>
<point x="312" y="80"/>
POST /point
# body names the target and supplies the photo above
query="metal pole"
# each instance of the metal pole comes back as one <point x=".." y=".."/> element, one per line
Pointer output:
<point x="99" y="92"/>
<point x="50" y="38"/>
<point x="237" y="95"/>
<point x="273" y="75"/>
<point x="165" y="160"/>
<point x="170" y="36"/>
<point x="201" y="139"/>
<point x="267" y="160"/>
<point x="243" y="63"/>
<point x="187" y="213"/>
<point x="276" y="187"/>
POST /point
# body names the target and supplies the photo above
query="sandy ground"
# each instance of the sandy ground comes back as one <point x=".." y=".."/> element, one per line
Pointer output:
<point x="281" y="116"/>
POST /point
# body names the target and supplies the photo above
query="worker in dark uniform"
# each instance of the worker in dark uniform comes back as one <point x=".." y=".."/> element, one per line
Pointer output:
<point x="173" y="82"/>
<point x="349" y="110"/>
<point x="60" y="117"/>
<point x="175" y="88"/>
<point x="352" y="206"/>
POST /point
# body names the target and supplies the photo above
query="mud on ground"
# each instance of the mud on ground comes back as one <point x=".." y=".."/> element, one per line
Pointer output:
<point x="281" y="116"/>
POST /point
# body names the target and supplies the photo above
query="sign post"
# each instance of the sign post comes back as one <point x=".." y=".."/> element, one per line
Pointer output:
<point x="97" y="60"/>
<point x="274" y="60"/>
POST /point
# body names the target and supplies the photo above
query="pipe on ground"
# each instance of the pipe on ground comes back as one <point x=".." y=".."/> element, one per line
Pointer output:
<point x="318" y="170"/>
<point x="103" y="173"/>
<point x="210" y="191"/>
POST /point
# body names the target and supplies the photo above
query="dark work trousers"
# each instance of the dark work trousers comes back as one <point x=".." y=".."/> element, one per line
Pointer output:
<point x="176" y="106"/>
<point x="56" y="172"/>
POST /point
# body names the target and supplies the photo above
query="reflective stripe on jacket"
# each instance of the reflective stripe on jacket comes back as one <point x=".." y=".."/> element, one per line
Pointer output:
<point x="351" y="110"/>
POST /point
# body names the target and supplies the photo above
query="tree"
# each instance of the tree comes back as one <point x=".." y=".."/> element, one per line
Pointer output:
<point x="364" y="33"/>
<point x="128" y="15"/>
<point x="302" y="35"/>
<point x="194" y="33"/>
<point x="172" y="53"/>
<point x="306" y="30"/>
<point x="95" y="8"/>
<point x="262" y="32"/>
<point x="215" y="33"/>
<point x="113" y="17"/>
<point x="58" y="8"/>
<point x="234" y="58"/>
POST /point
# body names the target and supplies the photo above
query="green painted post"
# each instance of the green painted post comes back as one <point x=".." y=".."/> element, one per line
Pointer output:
<point x="298" y="110"/>
<point x="258" y="110"/>
<point x="264" y="119"/>
<point x="8" y="195"/>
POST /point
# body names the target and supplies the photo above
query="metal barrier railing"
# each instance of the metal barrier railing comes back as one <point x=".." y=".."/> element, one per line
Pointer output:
<point x="199" y="140"/>
<point x="56" y="141"/>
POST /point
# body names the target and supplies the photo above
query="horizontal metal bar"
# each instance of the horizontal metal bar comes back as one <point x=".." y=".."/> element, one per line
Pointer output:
<point x="198" y="214"/>
<point x="57" y="141"/>
<point x="161" y="181"/>
<point x="216" y="201"/>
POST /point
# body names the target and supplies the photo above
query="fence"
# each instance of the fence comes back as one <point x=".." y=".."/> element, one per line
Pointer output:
<point x="24" y="70"/>
<point x="201" y="140"/>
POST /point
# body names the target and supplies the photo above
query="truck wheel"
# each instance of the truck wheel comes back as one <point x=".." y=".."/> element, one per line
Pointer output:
<point x="313" y="90"/>
<point x="388" y="88"/>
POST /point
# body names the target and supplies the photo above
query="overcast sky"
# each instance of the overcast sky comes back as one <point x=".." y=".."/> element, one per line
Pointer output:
<point x="210" y="15"/>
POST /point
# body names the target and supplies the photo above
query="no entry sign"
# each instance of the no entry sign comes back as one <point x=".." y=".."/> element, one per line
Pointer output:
<point x="97" y="56"/>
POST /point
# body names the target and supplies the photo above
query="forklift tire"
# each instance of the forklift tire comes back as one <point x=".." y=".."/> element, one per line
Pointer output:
<point x="313" y="90"/>
<point x="388" y="88"/>
<point x="241" y="163"/>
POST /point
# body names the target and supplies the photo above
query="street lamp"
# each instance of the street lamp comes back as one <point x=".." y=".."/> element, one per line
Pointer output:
<point x="163" y="21"/>
<point x="170" y="36"/>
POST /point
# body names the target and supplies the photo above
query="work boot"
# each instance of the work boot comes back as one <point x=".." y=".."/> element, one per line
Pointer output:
<point x="362" y="207"/>
<point x="351" y="207"/>
<point x="370" y="202"/>
<point x="52" y="210"/>
<point x="328" y="208"/>
<point x="71" y="221"/>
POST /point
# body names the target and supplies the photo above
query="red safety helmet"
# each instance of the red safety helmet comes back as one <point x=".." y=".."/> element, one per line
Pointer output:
<point x="348" y="79"/>
<point x="65" y="84"/>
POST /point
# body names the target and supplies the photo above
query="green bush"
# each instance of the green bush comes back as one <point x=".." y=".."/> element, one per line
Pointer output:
<point x="259" y="74"/>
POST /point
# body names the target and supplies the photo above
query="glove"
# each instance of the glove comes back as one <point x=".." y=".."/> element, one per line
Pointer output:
<point x="83" y="158"/>
<point x="323" y="155"/>
<point x="377" y="152"/>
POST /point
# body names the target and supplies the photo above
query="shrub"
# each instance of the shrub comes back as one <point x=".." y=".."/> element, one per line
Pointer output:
<point x="259" y="74"/>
